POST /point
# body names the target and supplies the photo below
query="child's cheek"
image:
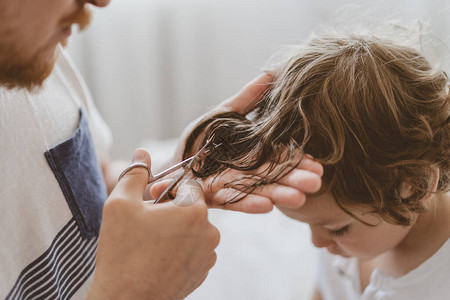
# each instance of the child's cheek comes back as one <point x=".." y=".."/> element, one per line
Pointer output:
<point x="360" y="246"/>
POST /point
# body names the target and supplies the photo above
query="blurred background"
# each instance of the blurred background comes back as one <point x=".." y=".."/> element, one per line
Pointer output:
<point x="154" y="65"/>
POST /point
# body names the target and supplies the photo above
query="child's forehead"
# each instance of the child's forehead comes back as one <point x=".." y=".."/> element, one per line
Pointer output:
<point x="322" y="210"/>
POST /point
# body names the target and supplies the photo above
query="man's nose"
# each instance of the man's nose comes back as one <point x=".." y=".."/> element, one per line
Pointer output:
<point x="99" y="3"/>
<point x="320" y="237"/>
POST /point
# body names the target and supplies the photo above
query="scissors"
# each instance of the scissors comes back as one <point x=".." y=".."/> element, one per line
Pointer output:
<point x="186" y="165"/>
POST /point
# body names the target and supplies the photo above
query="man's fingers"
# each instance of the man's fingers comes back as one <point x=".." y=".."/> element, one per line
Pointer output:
<point x="289" y="191"/>
<point x="308" y="181"/>
<point x="249" y="96"/>
<point x="307" y="163"/>
<point x="132" y="185"/>
<point x="310" y="164"/>
<point x="186" y="193"/>
<point x="305" y="181"/>
<point x="251" y="203"/>
<point x="158" y="187"/>
<point x="282" y="195"/>
<point x="261" y="200"/>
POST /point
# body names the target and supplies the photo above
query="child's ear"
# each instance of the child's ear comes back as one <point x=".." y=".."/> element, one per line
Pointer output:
<point x="434" y="183"/>
<point x="407" y="190"/>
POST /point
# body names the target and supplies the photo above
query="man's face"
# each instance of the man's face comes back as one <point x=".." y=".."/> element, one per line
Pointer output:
<point x="341" y="234"/>
<point x="30" y="31"/>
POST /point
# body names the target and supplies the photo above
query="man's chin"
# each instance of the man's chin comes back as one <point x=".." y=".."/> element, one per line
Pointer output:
<point x="28" y="76"/>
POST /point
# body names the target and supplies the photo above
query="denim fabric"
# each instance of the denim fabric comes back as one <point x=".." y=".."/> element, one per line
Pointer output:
<point x="77" y="170"/>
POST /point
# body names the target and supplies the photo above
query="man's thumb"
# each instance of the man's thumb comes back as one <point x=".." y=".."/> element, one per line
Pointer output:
<point x="134" y="181"/>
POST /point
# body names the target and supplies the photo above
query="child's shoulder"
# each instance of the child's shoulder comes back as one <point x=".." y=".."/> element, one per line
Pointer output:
<point x="428" y="281"/>
<point x="341" y="276"/>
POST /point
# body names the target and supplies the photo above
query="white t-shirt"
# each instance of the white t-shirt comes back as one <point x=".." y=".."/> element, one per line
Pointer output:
<point x="339" y="279"/>
<point x="51" y="187"/>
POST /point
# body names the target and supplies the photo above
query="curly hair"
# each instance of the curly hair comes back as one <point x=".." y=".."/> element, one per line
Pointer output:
<point x="373" y="113"/>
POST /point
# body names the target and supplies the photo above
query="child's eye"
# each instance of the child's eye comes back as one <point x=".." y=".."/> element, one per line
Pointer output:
<point x="339" y="232"/>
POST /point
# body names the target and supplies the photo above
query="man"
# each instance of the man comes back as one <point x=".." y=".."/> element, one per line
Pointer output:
<point x="54" y="149"/>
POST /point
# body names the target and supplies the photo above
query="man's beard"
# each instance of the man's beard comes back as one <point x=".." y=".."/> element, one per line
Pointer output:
<point x="30" y="74"/>
<point x="24" y="74"/>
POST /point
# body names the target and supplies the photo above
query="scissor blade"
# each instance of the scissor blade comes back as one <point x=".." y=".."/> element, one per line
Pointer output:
<point x="202" y="149"/>
<point x="171" y="169"/>
<point x="170" y="187"/>
<point x="186" y="165"/>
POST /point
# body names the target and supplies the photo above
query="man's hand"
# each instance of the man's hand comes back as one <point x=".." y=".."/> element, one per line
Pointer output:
<point x="288" y="192"/>
<point x="246" y="99"/>
<point x="148" y="251"/>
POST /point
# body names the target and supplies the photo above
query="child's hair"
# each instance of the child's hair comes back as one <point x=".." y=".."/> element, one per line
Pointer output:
<point x="373" y="113"/>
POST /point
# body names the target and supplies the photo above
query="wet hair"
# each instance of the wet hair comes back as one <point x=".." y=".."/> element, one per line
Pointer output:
<point x="373" y="113"/>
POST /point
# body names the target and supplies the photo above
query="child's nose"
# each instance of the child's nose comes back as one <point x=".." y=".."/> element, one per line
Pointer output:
<point x="320" y="238"/>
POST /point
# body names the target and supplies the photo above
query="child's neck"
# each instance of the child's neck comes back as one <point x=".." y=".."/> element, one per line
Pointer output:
<point x="430" y="232"/>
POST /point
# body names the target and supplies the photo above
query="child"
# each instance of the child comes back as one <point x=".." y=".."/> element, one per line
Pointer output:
<point x="375" y="114"/>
